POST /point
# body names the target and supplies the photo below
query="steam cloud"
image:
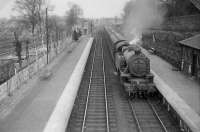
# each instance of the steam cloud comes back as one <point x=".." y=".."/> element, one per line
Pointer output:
<point x="140" y="15"/>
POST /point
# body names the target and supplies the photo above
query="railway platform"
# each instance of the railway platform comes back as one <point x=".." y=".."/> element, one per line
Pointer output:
<point x="186" y="87"/>
<point x="29" y="110"/>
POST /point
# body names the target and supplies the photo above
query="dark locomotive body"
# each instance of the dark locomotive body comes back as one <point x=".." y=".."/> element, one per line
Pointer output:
<point x="133" y="67"/>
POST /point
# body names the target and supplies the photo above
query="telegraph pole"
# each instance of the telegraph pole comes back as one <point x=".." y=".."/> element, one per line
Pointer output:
<point x="91" y="27"/>
<point x="47" y="35"/>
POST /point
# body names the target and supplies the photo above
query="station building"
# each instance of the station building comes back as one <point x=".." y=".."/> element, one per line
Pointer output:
<point x="190" y="56"/>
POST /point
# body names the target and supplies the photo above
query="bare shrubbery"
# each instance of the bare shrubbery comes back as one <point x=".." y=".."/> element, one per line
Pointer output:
<point x="29" y="30"/>
<point x="73" y="16"/>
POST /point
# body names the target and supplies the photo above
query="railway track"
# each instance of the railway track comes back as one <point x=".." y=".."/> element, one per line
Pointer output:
<point x="94" y="103"/>
<point x="96" y="111"/>
<point x="146" y="117"/>
<point x="101" y="104"/>
<point x="150" y="116"/>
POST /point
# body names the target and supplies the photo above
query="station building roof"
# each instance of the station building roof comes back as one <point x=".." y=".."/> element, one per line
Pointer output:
<point x="193" y="42"/>
<point x="196" y="3"/>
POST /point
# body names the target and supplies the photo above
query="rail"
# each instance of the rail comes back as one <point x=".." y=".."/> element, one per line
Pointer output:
<point x="92" y="73"/>
<point x="152" y="112"/>
<point x="157" y="116"/>
<point x="88" y="94"/>
<point x="135" y="117"/>
<point x="105" y="88"/>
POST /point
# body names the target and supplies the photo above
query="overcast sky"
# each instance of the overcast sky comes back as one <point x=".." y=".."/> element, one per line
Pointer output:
<point x="91" y="8"/>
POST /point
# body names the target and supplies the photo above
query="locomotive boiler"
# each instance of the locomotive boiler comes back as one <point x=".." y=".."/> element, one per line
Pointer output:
<point x="133" y="67"/>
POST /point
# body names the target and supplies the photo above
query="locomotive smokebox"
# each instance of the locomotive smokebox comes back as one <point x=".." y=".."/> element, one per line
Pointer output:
<point x="138" y="64"/>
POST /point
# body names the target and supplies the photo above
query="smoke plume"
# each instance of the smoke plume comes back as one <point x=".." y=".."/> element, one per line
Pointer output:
<point x="141" y="15"/>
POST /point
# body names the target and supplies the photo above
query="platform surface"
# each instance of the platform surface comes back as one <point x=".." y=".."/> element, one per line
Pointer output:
<point x="32" y="109"/>
<point x="186" y="87"/>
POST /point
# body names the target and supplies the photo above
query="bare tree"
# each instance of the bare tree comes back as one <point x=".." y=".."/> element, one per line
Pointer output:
<point x="56" y="27"/>
<point x="31" y="11"/>
<point x="73" y="15"/>
<point x="18" y="49"/>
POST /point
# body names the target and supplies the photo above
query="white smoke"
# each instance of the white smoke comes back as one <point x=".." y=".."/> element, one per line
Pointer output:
<point x="142" y="15"/>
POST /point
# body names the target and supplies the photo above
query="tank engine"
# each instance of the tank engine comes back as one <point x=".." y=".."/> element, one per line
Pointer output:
<point x="133" y="68"/>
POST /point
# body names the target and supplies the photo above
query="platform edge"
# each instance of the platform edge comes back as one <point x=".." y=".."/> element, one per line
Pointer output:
<point x="60" y="116"/>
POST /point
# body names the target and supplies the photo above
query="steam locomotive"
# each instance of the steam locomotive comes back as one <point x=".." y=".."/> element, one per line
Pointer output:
<point x="132" y="66"/>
